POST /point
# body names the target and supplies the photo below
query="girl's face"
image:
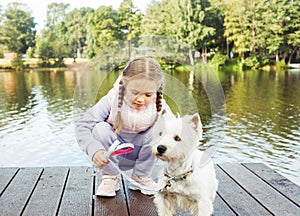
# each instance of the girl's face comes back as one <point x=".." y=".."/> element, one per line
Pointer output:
<point x="140" y="92"/>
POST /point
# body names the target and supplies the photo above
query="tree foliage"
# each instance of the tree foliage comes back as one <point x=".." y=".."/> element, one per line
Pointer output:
<point x="108" y="26"/>
<point x="17" y="28"/>
<point x="255" y="31"/>
<point x="129" y="20"/>
<point x="53" y="43"/>
<point x="76" y="34"/>
<point x="183" y="20"/>
<point x="104" y="28"/>
<point x="261" y="27"/>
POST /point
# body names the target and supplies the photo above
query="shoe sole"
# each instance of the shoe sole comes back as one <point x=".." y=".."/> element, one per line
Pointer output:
<point x="143" y="191"/>
<point x="112" y="194"/>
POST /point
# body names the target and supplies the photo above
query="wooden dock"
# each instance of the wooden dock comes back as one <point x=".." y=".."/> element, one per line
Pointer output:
<point x="244" y="189"/>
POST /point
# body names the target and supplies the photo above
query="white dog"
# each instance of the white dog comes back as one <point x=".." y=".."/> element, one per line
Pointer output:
<point x="189" y="182"/>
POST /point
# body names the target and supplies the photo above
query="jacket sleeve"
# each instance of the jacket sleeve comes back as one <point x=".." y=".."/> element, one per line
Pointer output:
<point x="84" y="126"/>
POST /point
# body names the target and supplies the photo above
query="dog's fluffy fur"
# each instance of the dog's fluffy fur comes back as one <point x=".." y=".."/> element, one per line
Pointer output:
<point x="175" y="142"/>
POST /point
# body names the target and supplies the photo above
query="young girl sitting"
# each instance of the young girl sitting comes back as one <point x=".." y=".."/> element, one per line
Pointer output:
<point x="127" y="113"/>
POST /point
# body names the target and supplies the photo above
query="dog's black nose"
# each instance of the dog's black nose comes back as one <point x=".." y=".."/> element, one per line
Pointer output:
<point x="161" y="149"/>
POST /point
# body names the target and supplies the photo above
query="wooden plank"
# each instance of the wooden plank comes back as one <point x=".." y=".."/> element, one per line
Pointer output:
<point x="266" y="195"/>
<point x="237" y="198"/>
<point x="78" y="194"/>
<point x="110" y="206"/>
<point x="47" y="194"/>
<point x="138" y="203"/>
<point x="248" y="189"/>
<point x="277" y="181"/>
<point x="221" y="208"/>
<point x="16" y="195"/>
<point x="6" y="175"/>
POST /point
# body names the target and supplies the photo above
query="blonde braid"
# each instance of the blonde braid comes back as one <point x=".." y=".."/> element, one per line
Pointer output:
<point x="159" y="96"/>
<point x="118" y="123"/>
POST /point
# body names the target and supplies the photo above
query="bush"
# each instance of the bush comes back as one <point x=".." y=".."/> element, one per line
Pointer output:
<point x="254" y="61"/>
<point x="17" y="63"/>
<point x="218" y="59"/>
<point x="280" y="64"/>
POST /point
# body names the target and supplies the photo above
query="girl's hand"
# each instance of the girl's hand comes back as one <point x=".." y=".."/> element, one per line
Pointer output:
<point x="99" y="159"/>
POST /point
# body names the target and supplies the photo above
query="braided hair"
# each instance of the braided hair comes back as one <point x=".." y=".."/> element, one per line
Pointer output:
<point x="141" y="67"/>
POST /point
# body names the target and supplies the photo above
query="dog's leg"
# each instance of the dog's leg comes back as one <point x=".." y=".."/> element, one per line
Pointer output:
<point x="165" y="204"/>
<point x="204" y="208"/>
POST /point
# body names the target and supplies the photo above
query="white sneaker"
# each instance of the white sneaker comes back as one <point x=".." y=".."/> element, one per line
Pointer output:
<point x="108" y="187"/>
<point x="145" y="184"/>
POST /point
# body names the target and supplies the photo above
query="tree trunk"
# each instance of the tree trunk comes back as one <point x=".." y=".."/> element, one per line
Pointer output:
<point x="227" y="47"/>
<point x="204" y="55"/>
<point x="285" y="54"/>
<point x="242" y="57"/>
<point x="291" y="56"/>
<point x="129" y="48"/>
<point x="191" y="57"/>
<point x="277" y="56"/>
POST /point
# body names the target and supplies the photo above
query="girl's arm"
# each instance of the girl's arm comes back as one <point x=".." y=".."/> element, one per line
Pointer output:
<point x="84" y="126"/>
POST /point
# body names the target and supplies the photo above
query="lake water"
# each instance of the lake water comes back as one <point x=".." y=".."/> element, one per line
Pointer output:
<point x="260" y="117"/>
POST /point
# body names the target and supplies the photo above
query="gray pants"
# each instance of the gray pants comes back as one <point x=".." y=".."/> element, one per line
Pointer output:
<point x="140" y="159"/>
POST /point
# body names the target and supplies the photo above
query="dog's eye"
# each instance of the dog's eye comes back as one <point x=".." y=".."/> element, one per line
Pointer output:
<point x="177" y="138"/>
<point x="160" y="133"/>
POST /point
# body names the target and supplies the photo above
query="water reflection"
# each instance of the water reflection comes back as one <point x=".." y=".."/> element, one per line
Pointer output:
<point x="263" y="119"/>
<point x="262" y="115"/>
<point x="36" y="119"/>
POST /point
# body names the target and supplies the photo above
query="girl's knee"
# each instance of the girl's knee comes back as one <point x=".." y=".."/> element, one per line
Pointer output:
<point x="103" y="131"/>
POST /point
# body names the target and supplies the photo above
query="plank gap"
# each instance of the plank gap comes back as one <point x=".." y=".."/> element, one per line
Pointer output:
<point x="126" y="195"/>
<point x="226" y="203"/>
<point x="30" y="195"/>
<point x="93" y="194"/>
<point x="62" y="192"/>
<point x="8" y="183"/>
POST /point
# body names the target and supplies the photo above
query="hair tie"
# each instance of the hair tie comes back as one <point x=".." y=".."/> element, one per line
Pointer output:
<point x="118" y="109"/>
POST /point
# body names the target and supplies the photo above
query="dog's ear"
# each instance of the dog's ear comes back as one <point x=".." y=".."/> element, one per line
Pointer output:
<point x="196" y="121"/>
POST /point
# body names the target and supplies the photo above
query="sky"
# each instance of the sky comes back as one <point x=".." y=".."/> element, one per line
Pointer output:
<point x="39" y="7"/>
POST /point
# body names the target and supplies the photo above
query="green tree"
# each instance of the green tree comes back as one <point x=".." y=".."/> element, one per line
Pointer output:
<point x="76" y="23"/>
<point x="292" y="23"/>
<point x="129" y="23"/>
<point x="104" y="29"/>
<point x="234" y="22"/>
<point x="262" y="28"/>
<point x="17" y="28"/>
<point x="129" y="20"/>
<point x="45" y="47"/>
<point x="53" y="37"/>
<point x="2" y="46"/>
<point x="156" y="32"/>
<point x="56" y="14"/>
<point x="244" y="25"/>
<point x="215" y="18"/>
<point x="275" y="30"/>
<point x="186" y="21"/>
<point x="155" y="20"/>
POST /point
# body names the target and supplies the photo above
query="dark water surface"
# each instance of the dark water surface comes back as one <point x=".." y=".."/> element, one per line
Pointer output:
<point x="260" y="120"/>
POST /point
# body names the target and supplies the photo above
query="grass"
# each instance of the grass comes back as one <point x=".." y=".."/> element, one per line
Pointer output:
<point x="33" y="62"/>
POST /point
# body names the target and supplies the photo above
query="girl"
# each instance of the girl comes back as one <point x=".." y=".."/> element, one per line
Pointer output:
<point x="127" y="113"/>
